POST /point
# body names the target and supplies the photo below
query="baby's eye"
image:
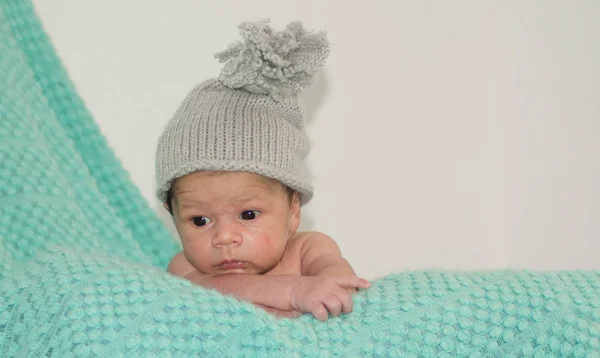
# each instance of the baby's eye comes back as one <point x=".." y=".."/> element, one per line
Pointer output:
<point x="249" y="214"/>
<point x="200" y="220"/>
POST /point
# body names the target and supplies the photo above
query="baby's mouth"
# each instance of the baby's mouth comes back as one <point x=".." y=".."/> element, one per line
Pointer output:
<point x="232" y="265"/>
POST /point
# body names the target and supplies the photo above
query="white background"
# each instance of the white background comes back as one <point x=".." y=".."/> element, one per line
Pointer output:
<point x="446" y="135"/>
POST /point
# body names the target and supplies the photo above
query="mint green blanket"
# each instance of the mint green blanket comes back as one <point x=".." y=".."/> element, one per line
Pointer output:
<point x="82" y="260"/>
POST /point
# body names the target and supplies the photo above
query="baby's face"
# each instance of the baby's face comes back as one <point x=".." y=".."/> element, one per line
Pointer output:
<point x="233" y="222"/>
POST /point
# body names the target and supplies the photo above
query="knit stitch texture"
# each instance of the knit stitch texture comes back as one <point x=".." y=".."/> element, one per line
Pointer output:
<point x="217" y="128"/>
<point x="82" y="260"/>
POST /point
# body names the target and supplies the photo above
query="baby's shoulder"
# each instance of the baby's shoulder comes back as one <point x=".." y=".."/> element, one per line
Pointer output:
<point x="309" y="244"/>
<point x="295" y="250"/>
<point x="295" y="246"/>
<point x="313" y="249"/>
<point x="302" y="240"/>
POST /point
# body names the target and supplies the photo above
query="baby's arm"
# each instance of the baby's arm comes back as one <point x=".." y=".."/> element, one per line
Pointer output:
<point x="321" y="257"/>
<point x="263" y="290"/>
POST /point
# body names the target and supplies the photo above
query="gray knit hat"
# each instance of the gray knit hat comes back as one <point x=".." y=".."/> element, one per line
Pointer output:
<point x="249" y="118"/>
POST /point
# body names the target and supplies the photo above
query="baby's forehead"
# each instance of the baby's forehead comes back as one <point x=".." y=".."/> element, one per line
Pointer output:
<point x="229" y="184"/>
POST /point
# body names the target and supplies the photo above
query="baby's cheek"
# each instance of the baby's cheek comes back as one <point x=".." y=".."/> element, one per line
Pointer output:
<point x="268" y="245"/>
<point x="196" y="251"/>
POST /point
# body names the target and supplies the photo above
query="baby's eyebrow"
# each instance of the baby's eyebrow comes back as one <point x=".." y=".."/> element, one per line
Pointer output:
<point x="197" y="202"/>
<point x="243" y="199"/>
<point x="187" y="201"/>
<point x="190" y="204"/>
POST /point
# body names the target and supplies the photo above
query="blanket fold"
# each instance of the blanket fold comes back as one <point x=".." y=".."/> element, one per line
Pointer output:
<point x="82" y="258"/>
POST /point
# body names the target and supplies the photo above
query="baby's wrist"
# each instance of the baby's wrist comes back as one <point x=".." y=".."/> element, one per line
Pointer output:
<point x="294" y="286"/>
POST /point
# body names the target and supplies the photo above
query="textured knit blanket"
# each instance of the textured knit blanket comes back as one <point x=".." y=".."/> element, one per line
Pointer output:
<point x="82" y="260"/>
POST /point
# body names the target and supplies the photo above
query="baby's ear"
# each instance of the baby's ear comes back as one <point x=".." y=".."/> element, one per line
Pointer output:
<point x="295" y="213"/>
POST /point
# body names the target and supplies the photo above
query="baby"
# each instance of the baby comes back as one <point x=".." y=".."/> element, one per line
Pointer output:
<point x="228" y="170"/>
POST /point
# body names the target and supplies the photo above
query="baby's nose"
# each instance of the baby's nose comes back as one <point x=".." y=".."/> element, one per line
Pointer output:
<point x="226" y="235"/>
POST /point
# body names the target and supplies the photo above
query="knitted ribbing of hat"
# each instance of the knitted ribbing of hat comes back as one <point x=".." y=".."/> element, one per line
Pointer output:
<point x="82" y="260"/>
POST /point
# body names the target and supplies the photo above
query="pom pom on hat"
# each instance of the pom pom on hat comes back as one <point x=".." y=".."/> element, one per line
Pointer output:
<point x="277" y="63"/>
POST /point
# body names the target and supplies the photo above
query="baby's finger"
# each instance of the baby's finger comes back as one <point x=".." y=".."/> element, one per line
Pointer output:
<point x="345" y="298"/>
<point x="352" y="281"/>
<point x="333" y="304"/>
<point x="319" y="311"/>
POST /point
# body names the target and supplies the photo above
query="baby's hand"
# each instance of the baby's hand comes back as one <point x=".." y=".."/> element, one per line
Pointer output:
<point x="322" y="295"/>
